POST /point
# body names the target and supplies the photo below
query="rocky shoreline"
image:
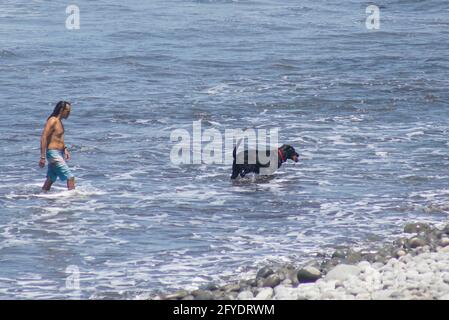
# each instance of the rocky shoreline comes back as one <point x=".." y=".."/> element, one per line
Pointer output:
<point x="413" y="267"/>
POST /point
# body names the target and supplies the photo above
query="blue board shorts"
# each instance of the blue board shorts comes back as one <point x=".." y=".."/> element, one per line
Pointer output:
<point x="57" y="167"/>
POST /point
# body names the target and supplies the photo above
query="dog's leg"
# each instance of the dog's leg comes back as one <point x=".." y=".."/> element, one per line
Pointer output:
<point x="235" y="173"/>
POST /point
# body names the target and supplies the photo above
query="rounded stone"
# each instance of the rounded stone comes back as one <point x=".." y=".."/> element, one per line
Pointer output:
<point x="284" y="293"/>
<point x="381" y="258"/>
<point x="177" y="295"/>
<point x="231" y="287"/>
<point x="343" y="272"/>
<point x="231" y="296"/>
<point x="444" y="242"/>
<point x="400" y="253"/>
<point x="265" y="294"/>
<point x="264" y="273"/>
<point x="364" y="264"/>
<point x="202" y="295"/>
<point x="287" y="282"/>
<point x="354" y="257"/>
<point x="416" y="242"/>
<point x="446" y="229"/>
<point x="363" y="296"/>
<point x="308" y="274"/>
<point x="281" y="275"/>
<point x="252" y="282"/>
<point x="211" y="287"/>
<point x="272" y="281"/>
<point x="416" y="227"/>
<point x="245" y="295"/>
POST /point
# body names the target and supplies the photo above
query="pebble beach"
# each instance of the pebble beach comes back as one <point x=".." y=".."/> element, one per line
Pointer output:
<point x="411" y="268"/>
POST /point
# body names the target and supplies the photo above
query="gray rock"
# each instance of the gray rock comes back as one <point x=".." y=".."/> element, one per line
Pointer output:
<point x="264" y="273"/>
<point x="244" y="285"/>
<point x="444" y="242"/>
<point x="231" y="296"/>
<point x="343" y="272"/>
<point x="282" y="276"/>
<point x="202" y="295"/>
<point x="272" y="281"/>
<point x="245" y="295"/>
<point x="252" y="282"/>
<point x="287" y="283"/>
<point x="291" y="275"/>
<point x="231" y="287"/>
<point x="211" y="287"/>
<point x="177" y="295"/>
<point x="347" y="255"/>
<point x="381" y="258"/>
<point x="285" y="293"/>
<point x="416" y="242"/>
<point x="340" y="253"/>
<point x="295" y="281"/>
<point x="369" y="256"/>
<point x="189" y="297"/>
<point x="265" y="294"/>
<point x="434" y="235"/>
<point x="446" y="229"/>
<point x="399" y="253"/>
<point x="354" y="257"/>
<point x="377" y="265"/>
<point x="382" y="294"/>
<point x="416" y="227"/>
<point x="218" y="295"/>
<point x="308" y="274"/>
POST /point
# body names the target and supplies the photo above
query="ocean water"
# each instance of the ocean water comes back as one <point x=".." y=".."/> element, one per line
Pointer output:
<point x="366" y="110"/>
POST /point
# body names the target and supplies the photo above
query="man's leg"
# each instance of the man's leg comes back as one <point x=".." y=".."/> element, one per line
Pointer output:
<point x="71" y="183"/>
<point x="47" y="184"/>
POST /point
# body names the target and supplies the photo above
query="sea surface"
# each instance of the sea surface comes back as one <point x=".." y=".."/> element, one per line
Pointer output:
<point x="367" y="110"/>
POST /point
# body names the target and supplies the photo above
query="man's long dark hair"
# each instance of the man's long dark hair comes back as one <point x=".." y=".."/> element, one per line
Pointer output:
<point x="59" y="107"/>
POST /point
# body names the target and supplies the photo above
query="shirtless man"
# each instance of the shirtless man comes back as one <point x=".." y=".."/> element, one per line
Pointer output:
<point x="54" y="149"/>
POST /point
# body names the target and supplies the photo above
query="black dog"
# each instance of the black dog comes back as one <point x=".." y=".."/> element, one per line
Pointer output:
<point x="253" y="160"/>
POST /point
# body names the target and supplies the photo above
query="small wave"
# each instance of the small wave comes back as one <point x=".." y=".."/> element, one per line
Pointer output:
<point x="58" y="193"/>
<point x="218" y="89"/>
<point x="414" y="134"/>
<point x="7" y="54"/>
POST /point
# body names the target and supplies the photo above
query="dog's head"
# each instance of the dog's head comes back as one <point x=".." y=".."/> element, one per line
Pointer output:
<point x="289" y="152"/>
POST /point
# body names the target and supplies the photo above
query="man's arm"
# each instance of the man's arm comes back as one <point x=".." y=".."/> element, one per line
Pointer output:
<point x="48" y="130"/>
